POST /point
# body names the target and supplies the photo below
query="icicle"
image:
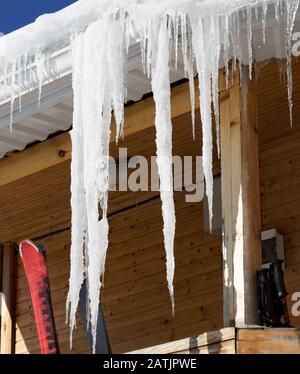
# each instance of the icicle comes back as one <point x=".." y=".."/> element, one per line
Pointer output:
<point x="215" y="55"/>
<point x="175" y="27"/>
<point x="202" y="44"/>
<point x="239" y="48"/>
<point x="40" y="64"/>
<point x="190" y="72"/>
<point x="281" y="8"/>
<point x="291" y="9"/>
<point x="162" y="95"/>
<point x="234" y="40"/>
<point x="79" y="223"/>
<point x="12" y="90"/>
<point x="116" y="60"/>
<point x="99" y="55"/>
<point x="96" y="105"/>
<point x="28" y="71"/>
<point x="256" y="13"/>
<point x="249" y="38"/>
<point x="184" y="40"/>
<point x="143" y="51"/>
<point x="99" y="88"/>
<point x="226" y="42"/>
<point x="6" y="80"/>
<point x="277" y="9"/>
<point x="188" y="63"/>
<point x="19" y="83"/>
<point x="264" y="20"/>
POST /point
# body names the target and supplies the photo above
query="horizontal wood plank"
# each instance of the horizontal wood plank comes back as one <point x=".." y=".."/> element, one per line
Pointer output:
<point x="184" y="345"/>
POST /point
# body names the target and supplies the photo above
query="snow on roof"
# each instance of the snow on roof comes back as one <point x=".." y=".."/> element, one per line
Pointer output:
<point x="51" y="34"/>
<point x="53" y="31"/>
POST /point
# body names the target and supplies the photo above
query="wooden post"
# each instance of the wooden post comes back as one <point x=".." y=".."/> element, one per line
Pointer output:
<point x="8" y="298"/>
<point x="1" y="263"/>
<point x="240" y="202"/>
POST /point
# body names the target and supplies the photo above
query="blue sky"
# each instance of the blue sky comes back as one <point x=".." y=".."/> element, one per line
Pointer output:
<point x="18" y="13"/>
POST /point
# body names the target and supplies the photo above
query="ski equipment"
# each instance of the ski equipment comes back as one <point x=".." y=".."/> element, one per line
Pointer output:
<point x="35" y="267"/>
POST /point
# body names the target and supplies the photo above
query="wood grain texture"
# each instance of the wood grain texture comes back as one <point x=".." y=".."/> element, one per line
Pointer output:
<point x="135" y="296"/>
<point x="268" y="341"/>
<point x="45" y="196"/>
<point x="202" y="343"/>
<point x="279" y="146"/>
<point x="8" y="299"/>
<point x="241" y="203"/>
<point x="138" y="116"/>
<point x="233" y="341"/>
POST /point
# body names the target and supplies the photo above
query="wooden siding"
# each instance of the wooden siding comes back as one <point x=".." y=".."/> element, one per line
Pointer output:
<point x="232" y="340"/>
<point x="268" y="341"/>
<point x="220" y="341"/>
<point x="45" y="196"/>
<point x="135" y="297"/>
<point x="280" y="167"/>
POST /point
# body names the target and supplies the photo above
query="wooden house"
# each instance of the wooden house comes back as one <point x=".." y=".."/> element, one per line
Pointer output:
<point x="215" y="282"/>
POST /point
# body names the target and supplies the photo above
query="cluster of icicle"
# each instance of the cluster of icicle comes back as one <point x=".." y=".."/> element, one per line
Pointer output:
<point x="99" y="64"/>
<point x="207" y="34"/>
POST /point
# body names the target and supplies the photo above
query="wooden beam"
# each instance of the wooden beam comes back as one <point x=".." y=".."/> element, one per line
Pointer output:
<point x="1" y="272"/>
<point x="268" y="341"/>
<point x="35" y="158"/>
<point x="196" y="344"/>
<point x="240" y="202"/>
<point x="51" y="152"/>
<point x="7" y="342"/>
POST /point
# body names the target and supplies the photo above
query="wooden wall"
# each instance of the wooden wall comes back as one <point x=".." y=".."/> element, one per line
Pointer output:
<point x="26" y="335"/>
<point x="231" y="340"/>
<point x="135" y="297"/>
<point x="268" y="341"/>
<point x="280" y="166"/>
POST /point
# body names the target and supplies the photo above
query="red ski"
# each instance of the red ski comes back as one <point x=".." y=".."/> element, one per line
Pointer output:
<point x="34" y="263"/>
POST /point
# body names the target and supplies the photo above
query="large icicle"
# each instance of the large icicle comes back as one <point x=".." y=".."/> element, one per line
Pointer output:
<point x="188" y="63"/>
<point x="205" y="67"/>
<point x="79" y="225"/>
<point x="216" y="49"/>
<point x="162" y="97"/>
<point x="93" y="104"/>
<point x="98" y="88"/>
<point x="291" y="8"/>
